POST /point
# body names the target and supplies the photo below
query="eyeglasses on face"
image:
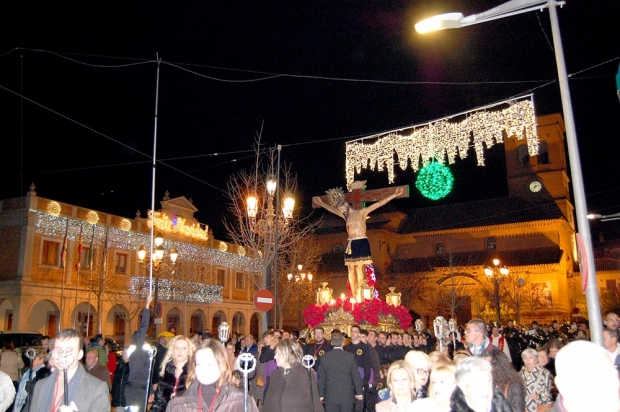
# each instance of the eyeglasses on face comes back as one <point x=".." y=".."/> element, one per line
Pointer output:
<point x="423" y="371"/>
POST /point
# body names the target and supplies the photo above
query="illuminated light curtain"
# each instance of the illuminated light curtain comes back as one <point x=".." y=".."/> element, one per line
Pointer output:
<point x="443" y="139"/>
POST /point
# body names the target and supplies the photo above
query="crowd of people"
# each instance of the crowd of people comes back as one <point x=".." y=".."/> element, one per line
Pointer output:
<point x="478" y="367"/>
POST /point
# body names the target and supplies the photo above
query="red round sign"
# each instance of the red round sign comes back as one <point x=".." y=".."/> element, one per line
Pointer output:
<point x="264" y="300"/>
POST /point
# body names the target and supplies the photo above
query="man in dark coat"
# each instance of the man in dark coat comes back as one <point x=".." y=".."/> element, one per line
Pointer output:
<point x="340" y="384"/>
<point x="362" y="357"/>
<point x="319" y="348"/>
<point x="139" y="360"/>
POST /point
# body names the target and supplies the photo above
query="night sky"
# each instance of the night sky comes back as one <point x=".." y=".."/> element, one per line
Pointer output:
<point x="311" y="74"/>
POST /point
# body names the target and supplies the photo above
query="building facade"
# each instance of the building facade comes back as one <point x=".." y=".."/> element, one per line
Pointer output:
<point x="64" y="266"/>
<point x="436" y="257"/>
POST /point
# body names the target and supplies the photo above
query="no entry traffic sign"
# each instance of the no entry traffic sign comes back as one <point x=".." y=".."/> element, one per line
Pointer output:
<point x="264" y="300"/>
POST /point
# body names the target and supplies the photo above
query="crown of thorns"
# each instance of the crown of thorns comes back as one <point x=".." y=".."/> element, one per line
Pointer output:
<point x="335" y="197"/>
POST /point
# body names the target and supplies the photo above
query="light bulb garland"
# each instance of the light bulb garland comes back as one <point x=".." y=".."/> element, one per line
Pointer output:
<point x="440" y="139"/>
<point x="177" y="290"/>
<point x="120" y="239"/>
<point x="435" y="181"/>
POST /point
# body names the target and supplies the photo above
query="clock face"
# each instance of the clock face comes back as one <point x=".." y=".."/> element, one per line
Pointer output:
<point x="535" y="186"/>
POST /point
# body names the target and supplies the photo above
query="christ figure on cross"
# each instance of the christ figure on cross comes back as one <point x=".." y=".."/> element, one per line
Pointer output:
<point x="357" y="252"/>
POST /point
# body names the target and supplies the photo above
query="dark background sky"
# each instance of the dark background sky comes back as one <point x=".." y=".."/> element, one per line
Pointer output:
<point x="90" y="145"/>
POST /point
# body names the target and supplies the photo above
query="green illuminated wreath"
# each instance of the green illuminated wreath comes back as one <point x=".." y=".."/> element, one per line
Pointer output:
<point x="434" y="181"/>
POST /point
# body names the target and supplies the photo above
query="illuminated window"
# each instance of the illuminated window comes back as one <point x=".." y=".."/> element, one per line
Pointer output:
<point x="50" y="253"/>
<point x="440" y="248"/>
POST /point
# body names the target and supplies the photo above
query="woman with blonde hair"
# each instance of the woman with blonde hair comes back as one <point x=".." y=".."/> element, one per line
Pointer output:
<point x="420" y="365"/>
<point x="173" y="372"/>
<point x="442" y="384"/>
<point x="402" y="393"/>
<point x="291" y="387"/>
<point x="210" y="385"/>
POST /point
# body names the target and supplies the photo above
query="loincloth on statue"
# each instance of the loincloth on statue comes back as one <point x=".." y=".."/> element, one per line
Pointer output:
<point x="357" y="251"/>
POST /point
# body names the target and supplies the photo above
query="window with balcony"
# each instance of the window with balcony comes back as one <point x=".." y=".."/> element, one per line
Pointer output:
<point x="220" y="277"/>
<point x="121" y="263"/>
<point x="239" y="280"/>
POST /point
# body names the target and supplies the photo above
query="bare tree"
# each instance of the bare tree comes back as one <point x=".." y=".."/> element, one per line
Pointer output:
<point x="517" y="288"/>
<point x="267" y="233"/>
<point x="305" y="253"/>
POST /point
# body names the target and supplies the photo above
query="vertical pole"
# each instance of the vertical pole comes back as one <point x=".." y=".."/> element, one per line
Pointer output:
<point x="276" y="243"/>
<point x="579" y="196"/>
<point x="153" y="178"/>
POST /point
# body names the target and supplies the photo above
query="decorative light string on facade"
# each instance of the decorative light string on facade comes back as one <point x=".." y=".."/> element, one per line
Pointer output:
<point x="443" y="139"/>
<point x="55" y="227"/>
<point x="177" y="290"/>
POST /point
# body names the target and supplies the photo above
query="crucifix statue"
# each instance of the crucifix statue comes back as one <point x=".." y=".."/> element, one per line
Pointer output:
<point x="357" y="252"/>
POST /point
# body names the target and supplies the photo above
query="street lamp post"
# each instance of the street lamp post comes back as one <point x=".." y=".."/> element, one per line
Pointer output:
<point x="274" y="221"/>
<point x="457" y="20"/>
<point x="496" y="274"/>
<point x="303" y="279"/>
<point x="155" y="262"/>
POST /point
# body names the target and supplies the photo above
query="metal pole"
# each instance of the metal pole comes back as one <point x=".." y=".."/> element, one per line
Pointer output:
<point x="581" y="209"/>
<point x="153" y="177"/>
<point x="276" y="245"/>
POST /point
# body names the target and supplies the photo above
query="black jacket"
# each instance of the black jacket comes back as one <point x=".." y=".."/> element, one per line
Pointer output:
<point x="118" y="384"/>
<point x="459" y="404"/>
<point x="165" y="386"/>
<point x="41" y="373"/>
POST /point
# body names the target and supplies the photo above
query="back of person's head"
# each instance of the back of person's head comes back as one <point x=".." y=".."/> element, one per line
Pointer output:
<point x="291" y="351"/>
<point x="586" y="378"/>
<point x="417" y="359"/>
<point x="337" y="339"/>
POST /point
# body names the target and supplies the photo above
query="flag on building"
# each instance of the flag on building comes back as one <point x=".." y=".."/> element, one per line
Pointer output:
<point x="63" y="252"/>
<point x="104" y="256"/>
<point x="78" y="263"/>
<point x="90" y="250"/>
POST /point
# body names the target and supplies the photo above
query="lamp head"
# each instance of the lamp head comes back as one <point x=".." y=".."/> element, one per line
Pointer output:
<point x="252" y="206"/>
<point x="159" y="240"/>
<point x="272" y="184"/>
<point x="173" y="256"/>
<point x="439" y="22"/>
<point x="141" y="253"/>
<point x="288" y="204"/>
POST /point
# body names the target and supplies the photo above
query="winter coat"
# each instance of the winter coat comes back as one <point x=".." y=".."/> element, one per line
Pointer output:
<point x="290" y="392"/>
<point x="7" y="391"/>
<point x="459" y="404"/>
<point x="165" y="386"/>
<point x="230" y="399"/>
<point x="118" y="384"/>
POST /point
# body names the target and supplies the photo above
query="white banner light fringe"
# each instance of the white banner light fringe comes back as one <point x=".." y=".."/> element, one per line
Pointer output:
<point x="441" y="138"/>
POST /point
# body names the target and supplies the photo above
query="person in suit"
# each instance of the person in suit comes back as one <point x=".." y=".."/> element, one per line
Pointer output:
<point x="340" y="383"/>
<point x="85" y="393"/>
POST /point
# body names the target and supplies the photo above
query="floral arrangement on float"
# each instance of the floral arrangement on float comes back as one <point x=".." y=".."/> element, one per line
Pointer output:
<point x="369" y="311"/>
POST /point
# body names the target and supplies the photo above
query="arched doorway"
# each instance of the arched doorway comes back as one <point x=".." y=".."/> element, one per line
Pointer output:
<point x="255" y="325"/>
<point x="173" y="322"/>
<point x="45" y="318"/>
<point x="197" y="321"/>
<point x="116" y="323"/>
<point x="83" y="317"/>
<point x="238" y="323"/>
<point x="218" y="318"/>
<point x="6" y="315"/>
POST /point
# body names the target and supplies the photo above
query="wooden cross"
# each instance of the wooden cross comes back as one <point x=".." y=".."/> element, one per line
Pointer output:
<point x="358" y="196"/>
